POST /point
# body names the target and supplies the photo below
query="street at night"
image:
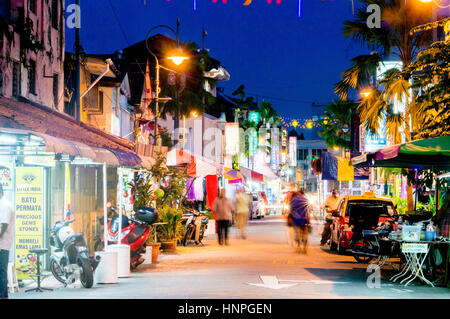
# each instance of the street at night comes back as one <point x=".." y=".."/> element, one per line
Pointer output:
<point x="231" y="272"/>
<point x="225" y="158"/>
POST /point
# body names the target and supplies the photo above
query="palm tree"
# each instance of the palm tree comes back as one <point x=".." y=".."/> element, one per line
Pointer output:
<point x="431" y="77"/>
<point x="335" y="126"/>
<point x="393" y="39"/>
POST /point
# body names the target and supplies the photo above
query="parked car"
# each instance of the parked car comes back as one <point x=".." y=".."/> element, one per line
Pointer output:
<point x="357" y="213"/>
<point x="259" y="205"/>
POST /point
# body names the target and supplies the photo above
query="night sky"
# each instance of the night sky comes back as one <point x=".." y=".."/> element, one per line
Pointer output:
<point x="288" y="60"/>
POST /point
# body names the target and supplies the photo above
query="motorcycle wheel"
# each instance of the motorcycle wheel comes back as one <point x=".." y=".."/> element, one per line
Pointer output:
<point x="57" y="272"/>
<point x="362" y="246"/>
<point x="188" y="235"/>
<point x="87" y="274"/>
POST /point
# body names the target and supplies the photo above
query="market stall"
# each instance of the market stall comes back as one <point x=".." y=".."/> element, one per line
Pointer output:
<point x="421" y="242"/>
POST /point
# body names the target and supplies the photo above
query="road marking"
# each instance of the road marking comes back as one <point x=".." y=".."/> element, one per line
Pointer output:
<point x="271" y="282"/>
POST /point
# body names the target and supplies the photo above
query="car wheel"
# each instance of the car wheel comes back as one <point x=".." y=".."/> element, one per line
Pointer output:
<point x="340" y="250"/>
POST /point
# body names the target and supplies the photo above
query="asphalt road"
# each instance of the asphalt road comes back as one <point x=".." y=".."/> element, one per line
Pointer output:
<point x="263" y="266"/>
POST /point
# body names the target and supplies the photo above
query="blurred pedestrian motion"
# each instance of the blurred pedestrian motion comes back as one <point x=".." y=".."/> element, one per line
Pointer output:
<point x="242" y="209"/>
<point x="224" y="212"/>
<point x="289" y="219"/>
<point x="300" y="209"/>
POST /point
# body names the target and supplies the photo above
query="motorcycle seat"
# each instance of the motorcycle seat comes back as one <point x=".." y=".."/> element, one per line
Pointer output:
<point x="368" y="233"/>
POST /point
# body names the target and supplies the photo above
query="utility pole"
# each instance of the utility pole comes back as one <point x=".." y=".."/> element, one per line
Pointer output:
<point x="77" y="67"/>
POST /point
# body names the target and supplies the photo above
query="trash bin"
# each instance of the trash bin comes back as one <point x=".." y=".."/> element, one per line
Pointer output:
<point x="148" y="255"/>
<point x="123" y="259"/>
<point x="106" y="272"/>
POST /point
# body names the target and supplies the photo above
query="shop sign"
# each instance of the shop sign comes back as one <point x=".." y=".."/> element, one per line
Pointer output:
<point x="283" y="138"/>
<point x="253" y="141"/>
<point x="29" y="218"/>
<point x="231" y="138"/>
<point x="414" y="248"/>
<point x="253" y="117"/>
<point x="48" y="161"/>
<point x="6" y="176"/>
<point x="274" y="157"/>
<point x="293" y="151"/>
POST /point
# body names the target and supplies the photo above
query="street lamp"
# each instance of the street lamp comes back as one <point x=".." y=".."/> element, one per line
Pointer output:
<point x="177" y="59"/>
<point x="366" y="93"/>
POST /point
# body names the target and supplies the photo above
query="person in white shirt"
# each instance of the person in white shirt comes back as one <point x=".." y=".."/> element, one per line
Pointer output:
<point x="7" y="226"/>
<point x="330" y="204"/>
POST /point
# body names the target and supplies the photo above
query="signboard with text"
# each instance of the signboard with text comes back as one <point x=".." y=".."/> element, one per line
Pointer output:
<point x="415" y="248"/>
<point x="29" y="218"/>
<point x="6" y="176"/>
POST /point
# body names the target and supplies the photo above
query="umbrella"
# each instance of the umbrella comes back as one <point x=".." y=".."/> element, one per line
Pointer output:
<point x="428" y="153"/>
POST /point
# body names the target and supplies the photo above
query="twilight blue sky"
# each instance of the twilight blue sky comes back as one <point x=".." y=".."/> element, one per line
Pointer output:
<point x="288" y="60"/>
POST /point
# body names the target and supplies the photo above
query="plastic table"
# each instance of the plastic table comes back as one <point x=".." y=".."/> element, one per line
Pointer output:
<point x="415" y="257"/>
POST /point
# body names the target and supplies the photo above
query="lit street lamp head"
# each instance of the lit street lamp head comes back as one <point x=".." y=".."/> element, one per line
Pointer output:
<point x="366" y="93"/>
<point x="177" y="57"/>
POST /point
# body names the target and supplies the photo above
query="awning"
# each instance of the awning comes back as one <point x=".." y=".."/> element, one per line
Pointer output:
<point x="267" y="172"/>
<point x="100" y="155"/>
<point x="250" y="174"/>
<point x="420" y="154"/>
<point x="199" y="165"/>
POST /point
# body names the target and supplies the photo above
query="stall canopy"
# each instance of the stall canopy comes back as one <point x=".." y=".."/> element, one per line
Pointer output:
<point x="252" y="175"/>
<point x="198" y="166"/>
<point x="429" y="153"/>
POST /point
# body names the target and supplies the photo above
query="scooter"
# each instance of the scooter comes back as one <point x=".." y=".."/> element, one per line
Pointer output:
<point x="366" y="243"/>
<point x="196" y="223"/>
<point x="69" y="260"/>
<point x="135" y="232"/>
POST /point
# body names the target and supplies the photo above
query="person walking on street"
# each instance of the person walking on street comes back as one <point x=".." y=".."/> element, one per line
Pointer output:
<point x="242" y="208"/>
<point x="223" y="209"/>
<point x="7" y="225"/>
<point x="331" y="203"/>
<point x="290" y="235"/>
<point x="300" y="209"/>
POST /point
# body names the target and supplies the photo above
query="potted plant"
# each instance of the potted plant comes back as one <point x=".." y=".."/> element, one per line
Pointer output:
<point x="170" y="230"/>
<point x="155" y="245"/>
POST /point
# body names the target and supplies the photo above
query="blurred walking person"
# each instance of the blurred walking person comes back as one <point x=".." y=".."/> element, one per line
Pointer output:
<point x="331" y="203"/>
<point x="223" y="209"/>
<point x="289" y="219"/>
<point x="7" y="227"/>
<point x="300" y="209"/>
<point x="242" y="209"/>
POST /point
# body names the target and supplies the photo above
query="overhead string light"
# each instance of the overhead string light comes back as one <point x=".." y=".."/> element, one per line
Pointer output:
<point x="310" y="123"/>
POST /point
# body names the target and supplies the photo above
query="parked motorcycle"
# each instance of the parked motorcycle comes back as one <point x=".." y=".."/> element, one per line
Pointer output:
<point x="196" y="223"/>
<point x="366" y="243"/>
<point x="135" y="232"/>
<point x="69" y="258"/>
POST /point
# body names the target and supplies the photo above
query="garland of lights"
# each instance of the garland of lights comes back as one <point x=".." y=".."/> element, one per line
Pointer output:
<point x="304" y="123"/>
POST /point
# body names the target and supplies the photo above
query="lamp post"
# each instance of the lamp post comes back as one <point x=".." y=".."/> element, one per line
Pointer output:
<point x="178" y="58"/>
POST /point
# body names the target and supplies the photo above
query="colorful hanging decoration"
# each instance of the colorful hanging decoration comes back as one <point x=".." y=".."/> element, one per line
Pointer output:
<point x="311" y="123"/>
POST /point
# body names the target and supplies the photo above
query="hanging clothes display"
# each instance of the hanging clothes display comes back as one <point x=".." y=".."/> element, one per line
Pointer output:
<point x="190" y="189"/>
<point x="212" y="185"/>
<point x="198" y="189"/>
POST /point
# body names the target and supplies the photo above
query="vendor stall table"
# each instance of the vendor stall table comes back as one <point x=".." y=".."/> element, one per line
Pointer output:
<point x="415" y="253"/>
